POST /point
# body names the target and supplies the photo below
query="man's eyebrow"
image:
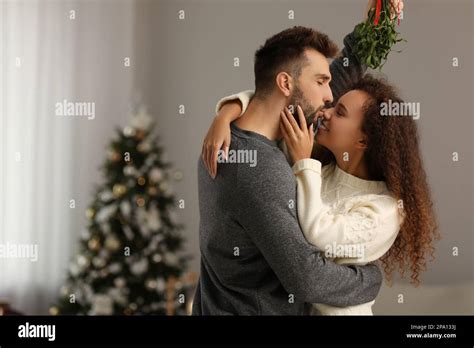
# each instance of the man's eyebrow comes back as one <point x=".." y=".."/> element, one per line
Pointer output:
<point x="323" y="76"/>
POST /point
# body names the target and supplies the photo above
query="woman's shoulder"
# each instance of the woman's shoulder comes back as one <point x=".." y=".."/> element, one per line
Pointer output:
<point x="327" y="170"/>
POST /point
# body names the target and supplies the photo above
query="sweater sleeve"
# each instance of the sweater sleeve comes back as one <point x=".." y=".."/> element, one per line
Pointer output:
<point x="346" y="69"/>
<point x="354" y="230"/>
<point x="243" y="96"/>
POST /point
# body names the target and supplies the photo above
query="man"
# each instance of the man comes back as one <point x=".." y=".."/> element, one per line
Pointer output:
<point x="254" y="257"/>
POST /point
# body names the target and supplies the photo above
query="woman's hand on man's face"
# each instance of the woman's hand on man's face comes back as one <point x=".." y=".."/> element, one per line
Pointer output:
<point x="298" y="139"/>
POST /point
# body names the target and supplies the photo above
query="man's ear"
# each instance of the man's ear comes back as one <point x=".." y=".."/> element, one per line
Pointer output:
<point x="284" y="83"/>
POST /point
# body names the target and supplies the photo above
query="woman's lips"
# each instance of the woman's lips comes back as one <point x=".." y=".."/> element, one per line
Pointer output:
<point x="319" y="120"/>
<point x="323" y="127"/>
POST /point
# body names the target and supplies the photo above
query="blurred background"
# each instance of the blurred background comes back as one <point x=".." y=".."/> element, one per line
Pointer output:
<point x="80" y="82"/>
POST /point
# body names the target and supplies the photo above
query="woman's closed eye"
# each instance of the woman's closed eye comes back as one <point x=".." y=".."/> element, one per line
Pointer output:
<point x="339" y="111"/>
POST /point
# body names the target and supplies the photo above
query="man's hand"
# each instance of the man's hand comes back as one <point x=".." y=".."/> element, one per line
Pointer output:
<point x="396" y="7"/>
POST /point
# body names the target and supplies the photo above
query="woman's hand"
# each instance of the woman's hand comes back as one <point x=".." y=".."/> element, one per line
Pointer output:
<point x="396" y="8"/>
<point x="299" y="140"/>
<point x="218" y="136"/>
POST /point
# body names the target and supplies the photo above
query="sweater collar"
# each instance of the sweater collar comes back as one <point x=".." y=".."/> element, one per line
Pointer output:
<point x="249" y="134"/>
<point x="370" y="185"/>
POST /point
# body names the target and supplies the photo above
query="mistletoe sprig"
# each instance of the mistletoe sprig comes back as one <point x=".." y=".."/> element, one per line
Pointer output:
<point x="376" y="36"/>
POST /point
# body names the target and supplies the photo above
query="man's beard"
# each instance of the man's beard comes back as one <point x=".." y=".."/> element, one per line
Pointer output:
<point x="309" y="111"/>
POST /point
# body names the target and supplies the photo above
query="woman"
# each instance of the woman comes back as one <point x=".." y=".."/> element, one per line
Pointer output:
<point x="362" y="192"/>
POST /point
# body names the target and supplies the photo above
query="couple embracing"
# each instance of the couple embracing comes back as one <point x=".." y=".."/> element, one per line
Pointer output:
<point x="336" y="194"/>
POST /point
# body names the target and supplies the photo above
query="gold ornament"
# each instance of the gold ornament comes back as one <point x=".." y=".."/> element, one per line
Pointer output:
<point x="144" y="146"/>
<point x="128" y="131"/>
<point x="115" y="156"/>
<point x="151" y="284"/>
<point x="94" y="243"/>
<point x="141" y="181"/>
<point x="119" y="190"/>
<point x="98" y="262"/>
<point x="140" y="135"/>
<point x="90" y="213"/>
<point x="53" y="311"/>
<point x="119" y="282"/>
<point x="112" y="243"/>
<point x="152" y="191"/>
<point x="163" y="186"/>
<point x="140" y="201"/>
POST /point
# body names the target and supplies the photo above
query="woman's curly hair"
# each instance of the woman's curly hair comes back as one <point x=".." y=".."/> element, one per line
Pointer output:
<point x="393" y="156"/>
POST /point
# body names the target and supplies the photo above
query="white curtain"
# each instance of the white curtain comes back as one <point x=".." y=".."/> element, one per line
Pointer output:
<point x="53" y="51"/>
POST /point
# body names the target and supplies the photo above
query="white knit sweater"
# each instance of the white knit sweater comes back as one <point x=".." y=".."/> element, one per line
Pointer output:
<point x="353" y="221"/>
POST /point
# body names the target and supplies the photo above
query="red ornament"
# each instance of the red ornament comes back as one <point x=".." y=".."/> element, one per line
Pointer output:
<point x="378" y="8"/>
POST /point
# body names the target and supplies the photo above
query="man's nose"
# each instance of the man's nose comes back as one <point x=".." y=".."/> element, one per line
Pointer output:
<point x="328" y="98"/>
<point x="327" y="114"/>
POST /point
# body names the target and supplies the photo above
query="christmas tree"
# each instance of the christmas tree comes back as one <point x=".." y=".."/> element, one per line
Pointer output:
<point x="131" y="251"/>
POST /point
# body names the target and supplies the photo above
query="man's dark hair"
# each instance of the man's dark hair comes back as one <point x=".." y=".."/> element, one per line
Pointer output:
<point x="285" y="52"/>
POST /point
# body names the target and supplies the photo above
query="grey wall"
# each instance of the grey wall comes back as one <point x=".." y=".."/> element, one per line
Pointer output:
<point x="190" y="62"/>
